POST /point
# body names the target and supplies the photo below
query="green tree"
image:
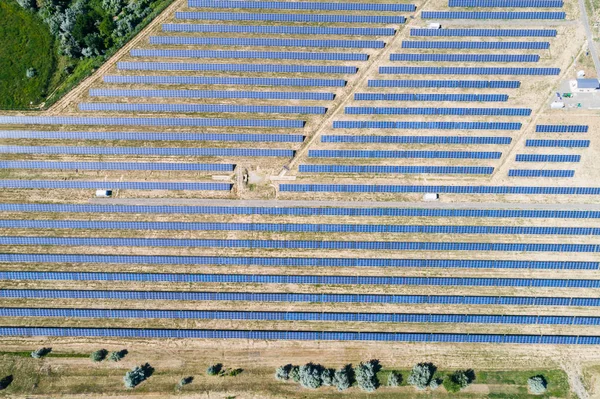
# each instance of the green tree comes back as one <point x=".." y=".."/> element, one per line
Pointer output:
<point x="394" y="379"/>
<point x="283" y="372"/>
<point x="137" y="375"/>
<point x="99" y="355"/>
<point x="214" y="369"/>
<point x="421" y="375"/>
<point x="537" y="385"/>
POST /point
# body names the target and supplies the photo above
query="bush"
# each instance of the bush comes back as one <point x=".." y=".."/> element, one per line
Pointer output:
<point x="30" y="73"/>
<point x="328" y="377"/>
<point x="39" y="353"/>
<point x="421" y="375"/>
<point x="310" y="375"/>
<point x="185" y="381"/>
<point x="537" y="385"/>
<point x="29" y="5"/>
<point x="295" y="373"/>
<point x="137" y="375"/>
<point x="458" y="380"/>
<point x="118" y="355"/>
<point x="99" y="355"/>
<point x="235" y="372"/>
<point x="366" y="375"/>
<point x="394" y="379"/>
<point x="435" y="384"/>
<point x="283" y="372"/>
<point x="214" y="369"/>
<point x="343" y="378"/>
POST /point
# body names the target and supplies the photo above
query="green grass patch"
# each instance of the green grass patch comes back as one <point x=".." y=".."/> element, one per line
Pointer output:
<point x="51" y="354"/>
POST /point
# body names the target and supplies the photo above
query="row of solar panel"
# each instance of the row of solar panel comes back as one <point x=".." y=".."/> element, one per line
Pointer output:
<point x="364" y="188"/>
<point x="116" y="166"/>
<point x="301" y="297"/>
<point x="301" y="211"/>
<point x="297" y="316"/>
<point x="437" y="111"/>
<point x="47" y="184"/>
<point x="547" y="158"/>
<point x="476" y="45"/>
<point x="203" y="108"/>
<point x="403" y="154"/>
<point x="405" y="70"/>
<point x="142" y="136"/>
<point x="540" y="173"/>
<point x="279" y="30"/>
<point x="263" y="95"/>
<point x="506" y="3"/>
<point x="329" y="18"/>
<point x="298" y="335"/>
<point x="470" y="84"/>
<point x="415" y="139"/>
<point x="288" y="244"/>
<point x="466" y="57"/>
<point x="484" y="32"/>
<point x="283" y="55"/>
<point x="276" y="68"/>
<point x="261" y="42"/>
<point x="492" y="15"/>
<point x="425" y="125"/>
<point x="557" y="143"/>
<point x="297" y="279"/>
<point x="285" y="5"/>
<point x="465" y="170"/>
<point x="429" y="97"/>
<point x="161" y="151"/>
<point x="296" y="262"/>
<point x="561" y="128"/>
<point x="76" y="120"/>
<point x="214" y="80"/>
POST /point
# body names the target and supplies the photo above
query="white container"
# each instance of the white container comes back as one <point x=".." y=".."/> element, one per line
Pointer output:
<point x="103" y="193"/>
<point x="434" y="25"/>
<point x="431" y="197"/>
<point x="557" y="105"/>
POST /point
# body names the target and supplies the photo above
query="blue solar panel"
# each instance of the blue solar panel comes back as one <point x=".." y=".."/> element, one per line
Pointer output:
<point x="506" y="3"/>
<point x="297" y="262"/>
<point x="416" y="139"/>
<point x="116" y="166"/>
<point x="267" y="68"/>
<point x="202" y="108"/>
<point x="437" y="111"/>
<point x="403" y="154"/>
<point x="75" y="120"/>
<point x="283" y="55"/>
<point x="323" y="18"/>
<point x="405" y="70"/>
<point x="547" y="158"/>
<point x="212" y="152"/>
<point x="430" y="97"/>
<point x="142" y="136"/>
<point x="301" y="5"/>
<point x="557" y="143"/>
<point x="561" y="128"/>
<point x="465" y="57"/>
<point x="262" y="42"/>
<point x="471" y="84"/>
<point x="474" y="45"/>
<point x="263" y="244"/>
<point x="264" y="95"/>
<point x="427" y="125"/>
<point x="468" y="170"/>
<point x="484" y="32"/>
<point x="46" y="184"/>
<point x="541" y="173"/>
<point x="279" y="30"/>
<point x="492" y="15"/>
<point x="212" y="80"/>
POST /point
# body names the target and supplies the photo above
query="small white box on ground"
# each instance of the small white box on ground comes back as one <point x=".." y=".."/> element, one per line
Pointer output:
<point x="557" y="105"/>
<point x="103" y="193"/>
<point x="431" y="197"/>
<point x="434" y="25"/>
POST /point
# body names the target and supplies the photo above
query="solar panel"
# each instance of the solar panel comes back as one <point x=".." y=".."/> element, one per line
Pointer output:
<point x="506" y="3"/>
<point x="403" y="154"/>
<point x="471" y="84"/>
<point x="437" y="111"/>
<point x="279" y="30"/>
<point x="557" y="143"/>
<point x="465" y="57"/>
<point x="468" y="170"/>
<point x="561" y="128"/>
<point x="283" y="55"/>
<point x="202" y="108"/>
<point x="430" y="97"/>
<point x="116" y="166"/>
<point x="301" y="5"/>
<point x="47" y="184"/>
<point x="547" y="158"/>
<point x="484" y="32"/>
<point x="405" y="70"/>
<point x="475" y="45"/>
<point x="262" y="42"/>
<point x="212" y="80"/>
<point x="416" y="139"/>
<point x="264" y="95"/>
<point x="426" y="125"/>
<point x="161" y="151"/>
<point x="267" y="68"/>
<point x="541" y="173"/>
<point x="492" y="15"/>
<point x="322" y="18"/>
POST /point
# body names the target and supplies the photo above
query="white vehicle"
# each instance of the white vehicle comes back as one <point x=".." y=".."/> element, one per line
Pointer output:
<point x="103" y="193"/>
<point x="431" y="197"/>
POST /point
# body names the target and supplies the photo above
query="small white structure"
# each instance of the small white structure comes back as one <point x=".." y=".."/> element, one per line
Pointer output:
<point x="585" y="85"/>
<point x="557" y="105"/>
<point x="434" y="25"/>
<point x="431" y="197"/>
<point x="103" y="193"/>
<point x="580" y="74"/>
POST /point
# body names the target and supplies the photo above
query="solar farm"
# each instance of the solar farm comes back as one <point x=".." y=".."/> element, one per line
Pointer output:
<point x="268" y="162"/>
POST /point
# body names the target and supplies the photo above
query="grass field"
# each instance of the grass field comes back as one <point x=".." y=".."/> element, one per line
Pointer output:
<point x="26" y="43"/>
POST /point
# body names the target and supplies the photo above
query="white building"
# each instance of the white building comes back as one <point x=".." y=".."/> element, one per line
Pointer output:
<point x="585" y="85"/>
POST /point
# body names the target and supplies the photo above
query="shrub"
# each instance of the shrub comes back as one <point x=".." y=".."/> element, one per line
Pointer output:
<point x="328" y="377"/>
<point x="295" y="373"/>
<point x="435" y="384"/>
<point x="310" y="375"/>
<point x="214" y="369"/>
<point x="29" y="5"/>
<point x="39" y="353"/>
<point x="137" y="375"/>
<point x="394" y="379"/>
<point x="99" y="355"/>
<point x="283" y="372"/>
<point x="118" y="355"/>
<point x="366" y="375"/>
<point x="30" y="73"/>
<point x="185" y="381"/>
<point x="537" y="385"/>
<point x="458" y="380"/>
<point x="421" y="374"/>
<point x="235" y="372"/>
<point x="343" y="378"/>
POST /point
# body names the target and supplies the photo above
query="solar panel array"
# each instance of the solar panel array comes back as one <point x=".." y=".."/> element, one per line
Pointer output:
<point x="467" y="140"/>
<point x="475" y="45"/>
<point x="212" y="80"/>
<point x="280" y="30"/>
<point x="437" y="111"/>
<point x="429" y="97"/>
<point x="506" y="3"/>
<point x="561" y="128"/>
<point x="282" y="55"/>
<point x="264" y="95"/>
<point x="492" y="15"/>
<point x="403" y="154"/>
<point x="116" y="166"/>
<point x="541" y="173"/>
<point x="467" y="71"/>
<point x="484" y="32"/>
<point x="207" y="152"/>
<point x="472" y="84"/>
<point x="280" y="17"/>
<point x="547" y="158"/>
<point x="203" y="108"/>
<point x="302" y="5"/>
<point x="427" y="125"/>
<point x="268" y="68"/>
<point x="465" y="170"/>
<point x="261" y="42"/>
<point x="46" y="184"/>
<point x="466" y="57"/>
<point x="557" y="143"/>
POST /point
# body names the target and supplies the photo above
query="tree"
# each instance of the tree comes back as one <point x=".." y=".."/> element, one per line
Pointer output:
<point x="39" y="353"/>
<point x="421" y="375"/>
<point x="137" y="375"/>
<point x="394" y="379"/>
<point x="458" y="380"/>
<point x="29" y="5"/>
<point x="30" y="73"/>
<point x="118" y="355"/>
<point x="435" y="384"/>
<point x="310" y="375"/>
<point x="343" y="377"/>
<point x="283" y="372"/>
<point x="185" y="381"/>
<point x="214" y="369"/>
<point x="99" y="355"/>
<point x="537" y="385"/>
<point x="366" y="375"/>
<point x="328" y="377"/>
<point x="295" y="374"/>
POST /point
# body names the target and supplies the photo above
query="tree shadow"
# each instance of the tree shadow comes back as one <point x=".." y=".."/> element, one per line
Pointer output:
<point x="5" y="382"/>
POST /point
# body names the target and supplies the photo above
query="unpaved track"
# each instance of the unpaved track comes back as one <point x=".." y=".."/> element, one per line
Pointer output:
<point x="590" y="37"/>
